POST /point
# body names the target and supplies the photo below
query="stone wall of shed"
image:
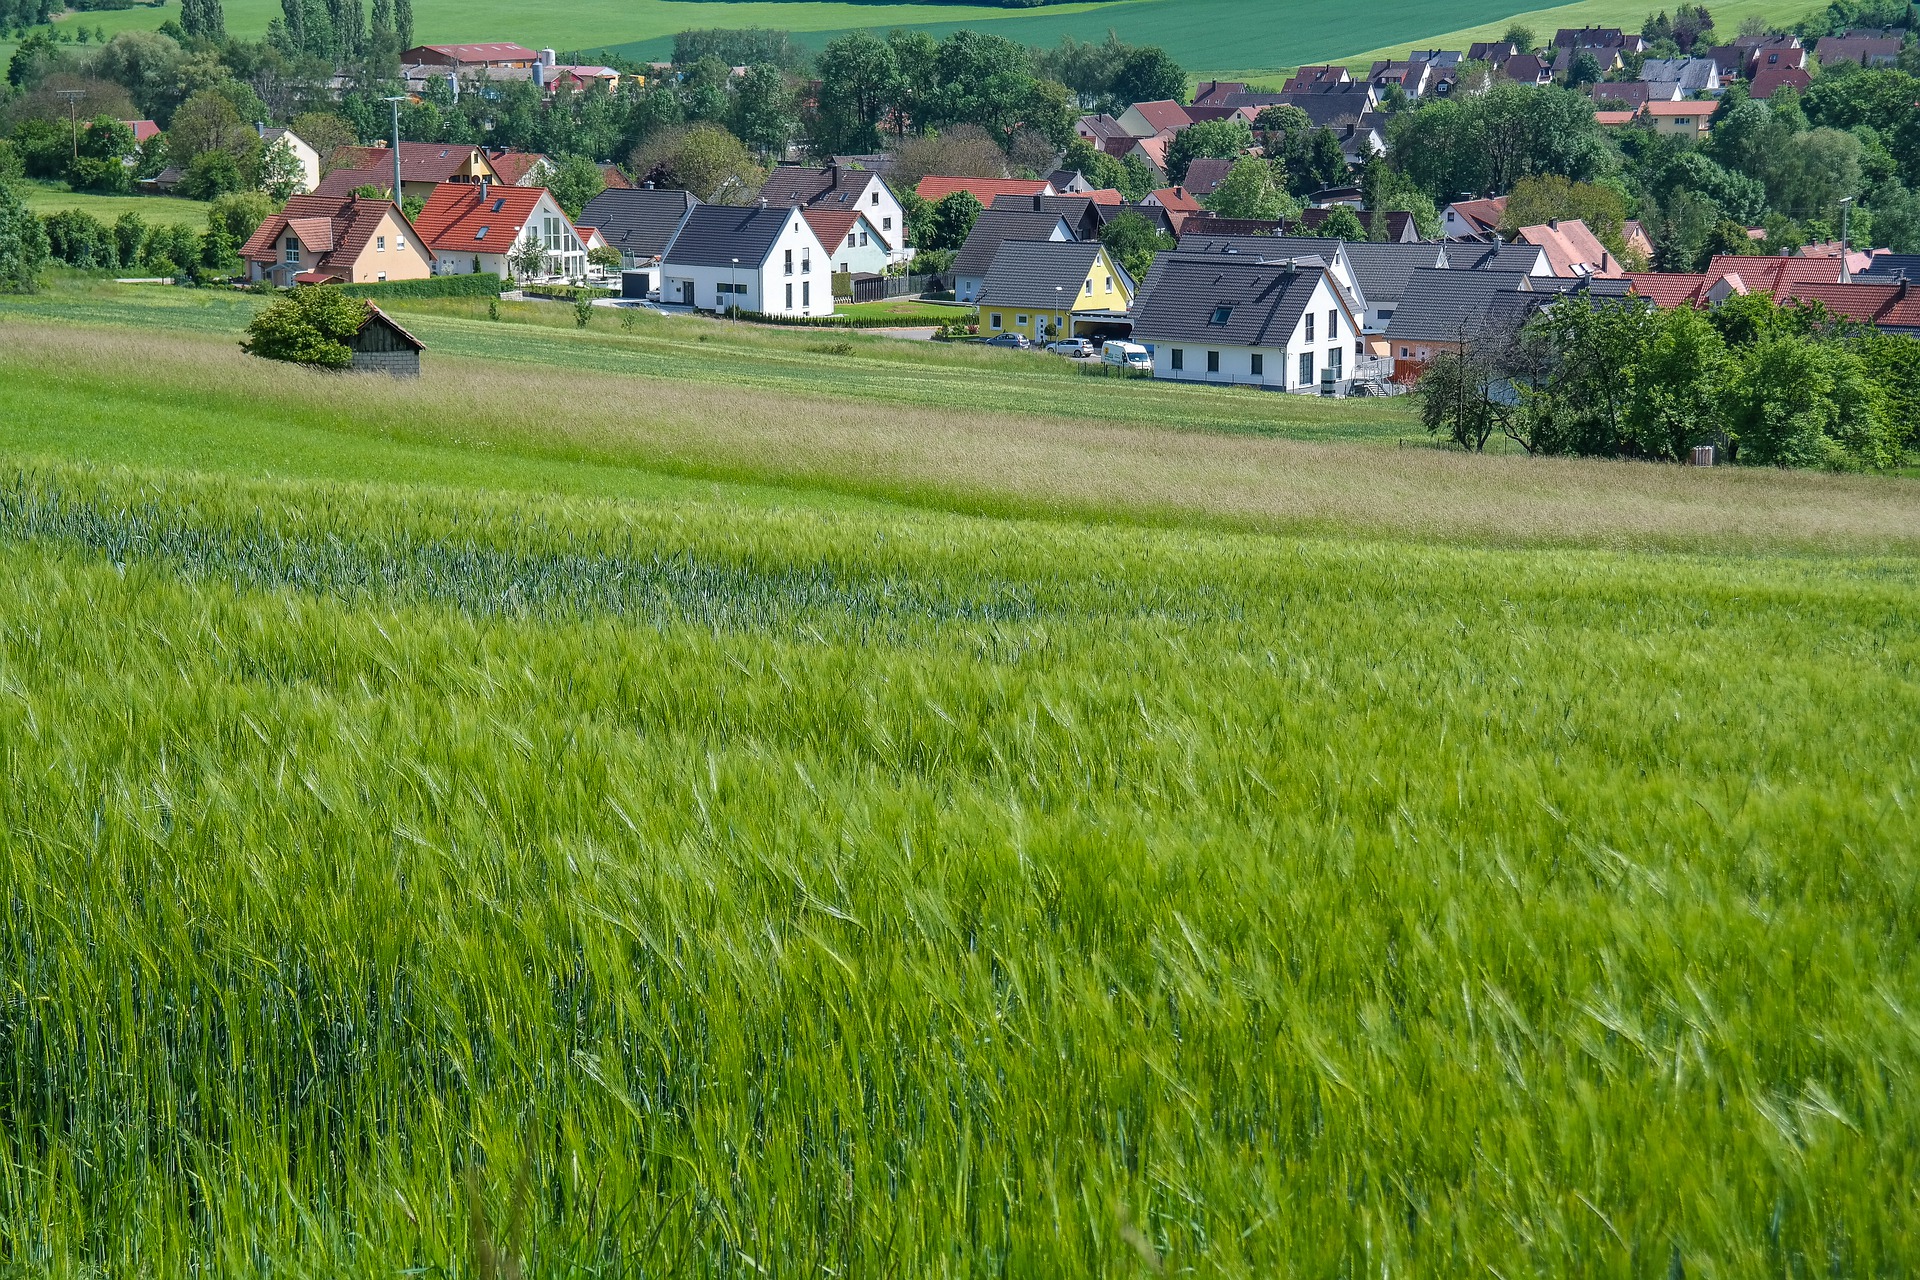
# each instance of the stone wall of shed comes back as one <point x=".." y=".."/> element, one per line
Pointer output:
<point x="401" y="364"/>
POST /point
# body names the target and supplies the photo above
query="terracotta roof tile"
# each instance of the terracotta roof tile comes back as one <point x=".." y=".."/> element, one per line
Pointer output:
<point x="457" y="220"/>
<point x="935" y="189"/>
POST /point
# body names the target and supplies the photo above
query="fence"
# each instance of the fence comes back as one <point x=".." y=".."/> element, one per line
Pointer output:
<point x="877" y="288"/>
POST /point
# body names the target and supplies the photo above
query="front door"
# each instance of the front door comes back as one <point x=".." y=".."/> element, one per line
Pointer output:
<point x="686" y="292"/>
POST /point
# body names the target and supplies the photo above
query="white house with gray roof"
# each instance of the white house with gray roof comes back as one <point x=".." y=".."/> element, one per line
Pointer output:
<point x="747" y="258"/>
<point x="1273" y="323"/>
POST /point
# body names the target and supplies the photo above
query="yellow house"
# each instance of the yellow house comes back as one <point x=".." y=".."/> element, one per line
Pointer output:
<point x="1052" y="289"/>
<point x="1688" y="119"/>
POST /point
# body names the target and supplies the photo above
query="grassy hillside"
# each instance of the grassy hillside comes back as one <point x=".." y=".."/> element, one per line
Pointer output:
<point x="46" y="198"/>
<point x="578" y="814"/>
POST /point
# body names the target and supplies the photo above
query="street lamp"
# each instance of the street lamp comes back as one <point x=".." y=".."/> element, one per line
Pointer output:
<point x="396" y="101"/>
<point x="733" y="289"/>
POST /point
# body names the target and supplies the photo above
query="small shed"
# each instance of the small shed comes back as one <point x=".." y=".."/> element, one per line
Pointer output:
<point x="381" y="346"/>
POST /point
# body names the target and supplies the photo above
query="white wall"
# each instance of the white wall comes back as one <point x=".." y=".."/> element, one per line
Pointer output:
<point x="765" y="283"/>
<point x="1282" y="364"/>
<point x="872" y="256"/>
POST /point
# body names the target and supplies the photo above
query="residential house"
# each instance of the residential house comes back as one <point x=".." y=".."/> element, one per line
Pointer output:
<point x="853" y="242"/>
<point x="1681" y="119"/>
<point x="1177" y="201"/>
<point x="975" y="256"/>
<point x="1394" y="225"/>
<point x="1693" y="76"/>
<point x="1889" y="305"/>
<point x="1631" y="95"/>
<point x="840" y="187"/>
<point x="424" y="166"/>
<point x="1085" y="214"/>
<point x="1474" y="219"/>
<point x="521" y="168"/>
<point x="1493" y="52"/>
<point x="1214" y="93"/>
<point x="1048" y="289"/>
<point x="1616" y="119"/>
<point x="1443" y="311"/>
<point x="1336" y="256"/>
<point x="144" y="131"/>
<point x="1151" y="119"/>
<point x="1305" y="80"/>
<point x="476" y="227"/>
<point x="1891" y="266"/>
<point x="1527" y="68"/>
<point x="1748" y="56"/>
<point x="336" y="240"/>
<point x="1507" y="259"/>
<point x="1608" y="45"/>
<point x="304" y="155"/>
<point x="638" y="221"/>
<point x="1381" y="272"/>
<point x="1772" y="80"/>
<point x="1209" y="224"/>
<point x="1410" y="77"/>
<point x="748" y="258"/>
<point x="1205" y="174"/>
<point x="1272" y="322"/>
<point x="1338" y="106"/>
<point x="1100" y="130"/>
<point x="1069" y="182"/>
<point x="935" y="189"/>
<point x="1637" y="240"/>
<point x="1152" y="153"/>
<point x="1572" y="249"/>
<point x="1868" y="48"/>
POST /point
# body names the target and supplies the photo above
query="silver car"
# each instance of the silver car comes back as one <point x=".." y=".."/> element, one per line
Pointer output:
<point x="1079" y="348"/>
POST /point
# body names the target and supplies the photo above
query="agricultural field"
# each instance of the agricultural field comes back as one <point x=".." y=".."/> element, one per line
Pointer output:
<point x="52" y="197"/>
<point x="630" y="804"/>
<point x="1209" y="37"/>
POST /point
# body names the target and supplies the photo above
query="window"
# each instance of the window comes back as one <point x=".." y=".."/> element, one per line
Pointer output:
<point x="481" y="234"/>
<point x="400" y="243"/>
<point x="874" y="198"/>
<point x="381" y="276"/>
<point x="1309" y="326"/>
<point x="806" y="265"/>
<point x="993" y="320"/>
<point x="1109" y="284"/>
<point x="806" y="294"/>
<point x="789" y="296"/>
<point x="1089" y="288"/>
<point x="864" y="240"/>
<point x="1179" y="358"/>
<point x="1306" y="368"/>
<point x="1221" y="315"/>
<point x="379" y="244"/>
<point x="789" y="262"/>
<point x="293" y="251"/>
<point x="843" y="268"/>
<point x="1259" y="365"/>
<point x="886" y="224"/>
<point x="850" y="244"/>
<point x="499" y="204"/>
<point x="1333" y="323"/>
<point x="1333" y="363"/>
<point x="1213" y="362"/>
<point x="1405" y="354"/>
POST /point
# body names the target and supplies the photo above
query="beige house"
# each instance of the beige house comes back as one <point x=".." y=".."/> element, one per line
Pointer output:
<point x="336" y="240"/>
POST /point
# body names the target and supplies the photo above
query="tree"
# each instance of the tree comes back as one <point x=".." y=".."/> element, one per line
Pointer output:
<point x="1797" y="403"/>
<point x="1580" y="404"/>
<point x="1135" y="242"/>
<point x="1137" y="179"/>
<point x="210" y="174"/>
<point x="984" y="80"/>
<point x="402" y="25"/>
<point x="281" y="173"/>
<point x="528" y="258"/>
<point x="1521" y="37"/>
<point x="1584" y="71"/>
<point x="1677" y="387"/>
<point x="1486" y="143"/>
<point x="704" y="159"/>
<point x="308" y="325"/>
<point x="1250" y="191"/>
<point x="240" y="213"/>
<point x="964" y="151"/>
<point x="1148" y="74"/>
<point x="326" y="133"/>
<point x="1543" y="198"/>
<point x="575" y="181"/>
<point x="100" y="165"/>
<point x="763" y="113"/>
<point x="858" y="75"/>
<point x="203" y="20"/>
<point x="208" y="122"/>
<point x="951" y="220"/>
<point x="1341" y="223"/>
<point x="1457" y="397"/>
<point x="1216" y="139"/>
<point x="23" y="244"/>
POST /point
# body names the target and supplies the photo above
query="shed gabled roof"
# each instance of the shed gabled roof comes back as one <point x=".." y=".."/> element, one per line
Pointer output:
<point x="1209" y="298"/>
<point x="375" y="316"/>
<point x="1042" y="274"/>
<point x="511" y="167"/>
<point x="1527" y="259"/>
<point x="713" y="235"/>
<point x="419" y="161"/>
<point x="995" y="225"/>
<point x="1165" y="115"/>
<point x="638" y="220"/>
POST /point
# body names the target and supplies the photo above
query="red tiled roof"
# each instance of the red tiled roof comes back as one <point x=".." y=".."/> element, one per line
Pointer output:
<point x="1885" y="306"/>
<point x="934" y="189"/>
<point x="1572" y="249"/>
<point x="1164" y="116"/>
<point x="1206" y="173"/>
<point x="1105" y="195"/>
<point x="480" y="53"/>
<point x="142" y="129"/>
<point x="1772" y="273"/>
<point x="1176" y="200"/>
<point x="1614" y="119"/>
<point x="335" y="229"/>
<point x="511" y="166"/>
<point x="1155" y="149"/>
<point x="1770" y="80"/>
<point x="1683" y="107"/>
<point x="456" y="220"/>
<point x="611" y="175"/>
<point x="833" y="225"/>
<point x="419" y="161"/>
<point x="1482" y="215"/>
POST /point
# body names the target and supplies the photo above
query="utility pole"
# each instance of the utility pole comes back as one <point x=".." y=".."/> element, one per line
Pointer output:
<point x="1846" y="276"/>
<point x="396" y="101"/>
<point x="73" y="97"/>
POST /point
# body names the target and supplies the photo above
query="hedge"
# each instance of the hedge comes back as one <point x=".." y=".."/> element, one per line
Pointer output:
<point x="907" y="321"/>
<point x="481" y="284"/>
<point x="566" y="292"/>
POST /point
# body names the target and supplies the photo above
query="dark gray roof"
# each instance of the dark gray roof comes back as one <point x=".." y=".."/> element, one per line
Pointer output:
<point x="1523" y="258"/>
<point x="1382" y="270"/>
<point x="713" y="235"/>
<point x="1439" y="305"/>
<point x="833" y="187"/>
<point x="1042" y="274"/>
<point x="1185" y="292"/>
<point x="1084" y="216"/>
<point x="1888" y="265"/>
<point x="637" y="220"/>
<point x="995" y="225"/>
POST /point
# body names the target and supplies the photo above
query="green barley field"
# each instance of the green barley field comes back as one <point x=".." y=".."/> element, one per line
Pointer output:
<point x="635" y="805"/>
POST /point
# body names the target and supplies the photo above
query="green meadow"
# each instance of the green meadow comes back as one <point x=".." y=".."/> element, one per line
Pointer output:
<point x="670" y="800"/>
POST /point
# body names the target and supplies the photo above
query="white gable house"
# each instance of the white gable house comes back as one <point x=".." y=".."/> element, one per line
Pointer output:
<point x="753" y="258"/>
<point x="1273" y="323"/>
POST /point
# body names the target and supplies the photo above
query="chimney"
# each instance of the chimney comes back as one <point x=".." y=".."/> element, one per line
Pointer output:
<point x="260" y="128"/>
<point x="483" y="191"/>
<point x="1036" y="204"/>
<point x="649" y="184"/>
<point x="763" y="202"/>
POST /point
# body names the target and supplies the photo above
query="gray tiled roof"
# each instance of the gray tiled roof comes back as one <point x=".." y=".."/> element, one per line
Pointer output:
<point x="713" y="235"/>
<point x="995" y="225"/>
<point x="1524" y="258"/>
<point x="1186" y="292"/>
<point x="1888" y="265"/>
<point x="1440" y="306"/>
<point x="637" y="220"/>
<point x="1041" y="274"/>
<point x="834" y="186"/>
<point x="1382" y="270"/>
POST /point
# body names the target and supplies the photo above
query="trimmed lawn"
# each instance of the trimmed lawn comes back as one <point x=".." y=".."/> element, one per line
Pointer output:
<point x="45" y="197"/>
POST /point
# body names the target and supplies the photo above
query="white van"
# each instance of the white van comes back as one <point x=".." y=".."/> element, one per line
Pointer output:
<point x="1127" y="355"/>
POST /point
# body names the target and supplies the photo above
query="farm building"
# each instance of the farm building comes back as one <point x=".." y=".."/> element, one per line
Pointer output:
<point x="382" y="346"/>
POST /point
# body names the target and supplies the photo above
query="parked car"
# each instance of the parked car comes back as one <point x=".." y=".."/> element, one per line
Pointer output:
<point x="1018" y="341"/>
<point x="1079" y="348"/>
<point x="1127" y="355"/>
